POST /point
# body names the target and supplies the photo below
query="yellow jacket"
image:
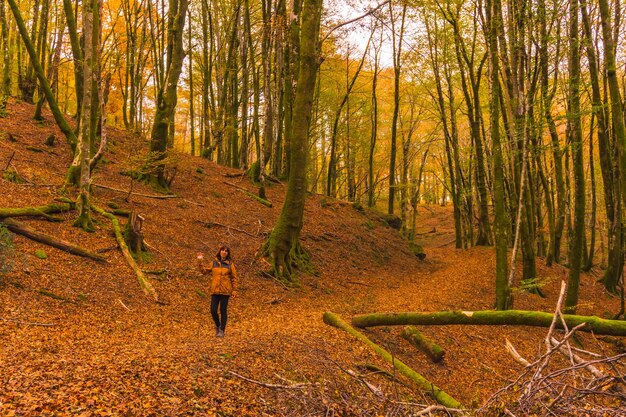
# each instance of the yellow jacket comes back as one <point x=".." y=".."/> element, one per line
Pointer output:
<point x="224" y="278"/>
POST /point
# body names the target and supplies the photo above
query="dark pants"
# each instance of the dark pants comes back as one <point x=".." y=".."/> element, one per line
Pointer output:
<point x="220" y="300"/>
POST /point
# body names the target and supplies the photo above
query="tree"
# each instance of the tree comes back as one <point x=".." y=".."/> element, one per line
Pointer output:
<point x="503" y="290"/>
<point x="397" y="59"/>
<point x="5" y="75"/>
<point x="167" y="95"/>
<point x="91" y="51"/>
<point x="575" y="133"/>
<point x="283" y="245"/>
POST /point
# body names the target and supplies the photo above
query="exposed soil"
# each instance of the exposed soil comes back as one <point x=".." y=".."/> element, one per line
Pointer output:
<point x="114" y="351"/>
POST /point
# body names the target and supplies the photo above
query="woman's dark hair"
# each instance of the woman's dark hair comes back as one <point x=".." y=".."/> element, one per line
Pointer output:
<point x="219" y="253"/>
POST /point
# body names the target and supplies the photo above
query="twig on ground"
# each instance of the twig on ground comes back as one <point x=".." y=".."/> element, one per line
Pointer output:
<point x="432" y="408"/>
<point x="149" y="246"/>
<point x="28" y="323"/>
<point x="9" y="163"/>
<point x="160" y="197"/>
<point x="208" y="224"/>
<point x="268" y="385"/>
<point x="123" y="305"/>
<point x="447" y="243"/>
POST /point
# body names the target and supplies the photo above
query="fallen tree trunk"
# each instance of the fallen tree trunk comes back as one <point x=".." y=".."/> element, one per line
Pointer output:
<point x="261" y="200"/>
<point x="44" y="211"/>
<point x="144" y="283"/>
<point x="158" y="197"/>
<point x="22" y="229"/>
<point x="423" y="343"/>
<point x="440" y="396"/>
<point x="490" y="317"/>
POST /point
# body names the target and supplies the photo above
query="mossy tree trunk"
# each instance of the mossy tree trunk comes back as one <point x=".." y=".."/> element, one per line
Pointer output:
<point x="167" y="94"/>
<point x="77" y="52"/>
<point x="576" y="139"/>
<point x="283" y="244"/>
<point x="5" y="75"/>
<point x="490" y="317"/>
<point x="503" y="290"/>
<point x="616" y="236"/>
<point x="397" y="57"/>
<point x="43" y="81"/>
<point x="22" y="229"/>
<point x="82" y="160"/>
<point x="437" y="393"/>
<point x="144" y="283"/>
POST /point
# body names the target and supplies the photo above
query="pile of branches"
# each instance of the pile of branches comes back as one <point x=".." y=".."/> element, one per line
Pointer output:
<point x="586" y="384"/>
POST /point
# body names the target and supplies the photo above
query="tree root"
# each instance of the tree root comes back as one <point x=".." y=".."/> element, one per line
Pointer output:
<point x="285" y="264"/>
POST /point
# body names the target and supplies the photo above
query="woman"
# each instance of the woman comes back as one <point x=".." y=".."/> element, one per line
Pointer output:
<point x="224" y="284"/>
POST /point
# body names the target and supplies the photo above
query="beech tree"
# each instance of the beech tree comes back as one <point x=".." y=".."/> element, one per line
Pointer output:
<point x="167" y="95"/>
<point x="283" y="245"/>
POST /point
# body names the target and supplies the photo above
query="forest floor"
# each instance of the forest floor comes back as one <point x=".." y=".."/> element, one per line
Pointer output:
<point x="111" y="350"/>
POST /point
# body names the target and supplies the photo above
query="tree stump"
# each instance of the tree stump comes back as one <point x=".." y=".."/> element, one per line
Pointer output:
<point x="132" y="233"/>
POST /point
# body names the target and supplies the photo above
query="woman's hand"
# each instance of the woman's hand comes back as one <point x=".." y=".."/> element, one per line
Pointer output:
<point x="199" y="256"/>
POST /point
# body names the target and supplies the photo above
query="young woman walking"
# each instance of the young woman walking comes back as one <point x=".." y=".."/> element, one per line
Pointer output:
<point x="224" y="284"/>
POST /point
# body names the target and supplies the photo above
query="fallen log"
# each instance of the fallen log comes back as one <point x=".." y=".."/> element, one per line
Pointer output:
<point x="158" y="197"/>
<point x="490" y="317"/>
<point x="440" y="396"/>
<point x="261" y="200"/>
<point x="44" y="211"/>
<point x="423" y="343"/>
<point x="22" y="229"/>
<point x="144" y="283"/>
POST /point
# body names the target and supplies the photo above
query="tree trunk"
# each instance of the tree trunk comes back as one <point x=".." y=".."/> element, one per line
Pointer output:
<point x="283" y="244"/>
<point x="144" y="283"/>
<point x="5" y="75"/>
<point x="374" y="130"/>
<point x="575" y="133"/>
<point x="331" y="184"/>
<point x="36" y="211"/>
<point x="490" y="317"/>
<point x="453" y="163"/>
<point x="77" y="53"/>
<point x="167" y="96"/>
<point x="397" y="59"/>
<point x="609" y="177"/>
<point x="421" y="342"/>
<point x="86" y="135"/>
<point x="56" y="111"/>
<point x="21" y="229"/>
<point x="440" y="396"/>
<point x="503" y="291"/>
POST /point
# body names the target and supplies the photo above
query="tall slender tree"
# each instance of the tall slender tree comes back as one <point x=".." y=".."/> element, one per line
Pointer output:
<point x="283" y="245"/>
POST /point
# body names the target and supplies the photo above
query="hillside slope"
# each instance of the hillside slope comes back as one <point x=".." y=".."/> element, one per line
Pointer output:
<point x="114" y="351"/>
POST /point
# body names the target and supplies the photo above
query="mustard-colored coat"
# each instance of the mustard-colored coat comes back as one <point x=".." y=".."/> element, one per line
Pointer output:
<point x="224" y="281"/>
